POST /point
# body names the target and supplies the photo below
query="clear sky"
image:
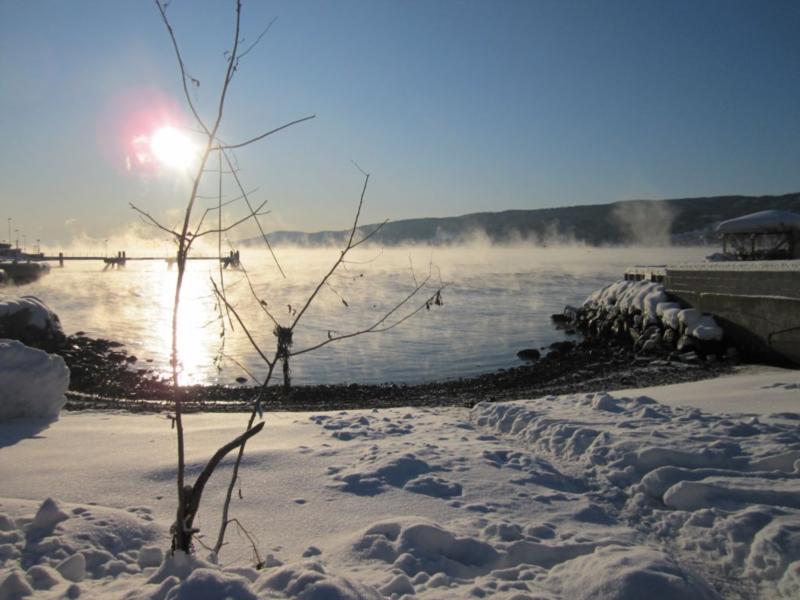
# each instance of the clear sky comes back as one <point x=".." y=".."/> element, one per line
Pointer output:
<point x="452" y="106"/>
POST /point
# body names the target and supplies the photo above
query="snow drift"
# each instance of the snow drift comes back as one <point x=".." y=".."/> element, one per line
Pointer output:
<point x="32" y="382"/>
<point x="588" y="496"/>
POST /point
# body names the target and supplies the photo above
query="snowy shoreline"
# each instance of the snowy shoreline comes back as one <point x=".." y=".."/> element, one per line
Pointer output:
<point x="577" y="496"/>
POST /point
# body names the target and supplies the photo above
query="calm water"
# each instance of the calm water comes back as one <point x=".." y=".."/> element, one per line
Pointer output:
<point x="498" y="301"/>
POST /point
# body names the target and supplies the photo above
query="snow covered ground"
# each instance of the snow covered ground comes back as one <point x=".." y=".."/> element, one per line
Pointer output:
<point x="583" y="496"/>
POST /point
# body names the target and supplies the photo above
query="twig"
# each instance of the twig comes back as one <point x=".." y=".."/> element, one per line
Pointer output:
<point x="262" y="136"/>
<point x="244" y="327"/>
<point x="260" y="228"/>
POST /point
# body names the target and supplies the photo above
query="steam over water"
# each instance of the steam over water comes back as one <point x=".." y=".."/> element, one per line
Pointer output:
<point x="498" y="301"/>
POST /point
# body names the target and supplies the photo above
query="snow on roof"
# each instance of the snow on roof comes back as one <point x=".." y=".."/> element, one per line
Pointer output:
<point x="766" y="220"/>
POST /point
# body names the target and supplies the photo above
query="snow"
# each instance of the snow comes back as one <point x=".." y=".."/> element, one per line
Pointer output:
<point x="763" y="221"/>
<point x="650" y="299"/>
<point x="628" y="296"/>
<point x="32" y="382"/>
<point x="630" y="494"/>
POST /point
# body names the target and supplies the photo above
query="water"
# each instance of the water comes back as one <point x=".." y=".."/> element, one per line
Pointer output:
<point x="497" y="301"/>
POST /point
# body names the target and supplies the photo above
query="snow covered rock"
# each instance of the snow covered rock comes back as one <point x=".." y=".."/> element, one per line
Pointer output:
<point x="643" y="311"/>
<point x="32" y="382"/>
<point x="28" y="319"/>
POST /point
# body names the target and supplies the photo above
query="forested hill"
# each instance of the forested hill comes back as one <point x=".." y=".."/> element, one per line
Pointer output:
<point x="683" y="221"/>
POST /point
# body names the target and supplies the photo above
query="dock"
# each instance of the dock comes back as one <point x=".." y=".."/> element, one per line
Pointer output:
<point x="121" y="258"/>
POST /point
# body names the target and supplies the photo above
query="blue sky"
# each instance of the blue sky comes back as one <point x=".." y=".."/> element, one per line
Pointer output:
<point x="453" y="106"/>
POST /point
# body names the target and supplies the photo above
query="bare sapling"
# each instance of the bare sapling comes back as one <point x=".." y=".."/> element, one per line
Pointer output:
<point x="422" y="295"/>
<point x="192" y="227"/>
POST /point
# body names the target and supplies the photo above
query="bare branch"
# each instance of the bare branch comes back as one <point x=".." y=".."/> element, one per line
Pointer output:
<point x="256" y="213"/>
<point x="260" y="228"/>
<point x="262" y="303"/>
<point x="227" y="202"/>
<point x="258" y="39"/>
<point x="242" y="367"/>
<point x="162" y="8"/>
<point x="150" y="219"/>
<point x="378" y="326"/>
<point x="262" y="136"/>
<point x="339" y="260"/>
<point x="370" y="234"/>
<point x="244" y="327"/>
<point x="195" y="492"/>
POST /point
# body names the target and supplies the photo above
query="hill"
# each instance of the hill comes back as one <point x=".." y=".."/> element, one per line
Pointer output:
<point x="682" y="221"/>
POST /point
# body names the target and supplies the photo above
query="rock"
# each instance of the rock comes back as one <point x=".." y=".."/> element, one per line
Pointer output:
<point x="670" y="337"/>
<point x="650" y="347"/>
<point x="529" y="354"/>
<point x="732" y="354"/>
<point x="691" y="358"/>
<point x="651" y="331"/>
<point x="686" y="344"/>
<point x="30" y="321"/>
<point x="564" y="346"/>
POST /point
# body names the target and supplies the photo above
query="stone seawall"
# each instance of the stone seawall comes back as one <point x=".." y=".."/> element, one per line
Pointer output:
<point x="757" y="303"/>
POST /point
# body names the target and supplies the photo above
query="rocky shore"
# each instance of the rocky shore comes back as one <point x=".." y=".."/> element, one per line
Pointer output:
<point x="617" y="344"/>
<point x="105" y="375"/>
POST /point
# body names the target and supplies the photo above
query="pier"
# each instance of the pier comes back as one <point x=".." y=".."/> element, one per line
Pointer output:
<point x="121" y="258"/>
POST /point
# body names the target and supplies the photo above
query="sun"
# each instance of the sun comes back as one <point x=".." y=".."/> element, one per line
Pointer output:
<point x="172" y="148"/>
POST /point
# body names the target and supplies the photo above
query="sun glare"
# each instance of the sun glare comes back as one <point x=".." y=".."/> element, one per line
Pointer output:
<point x="172" y="148"/>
